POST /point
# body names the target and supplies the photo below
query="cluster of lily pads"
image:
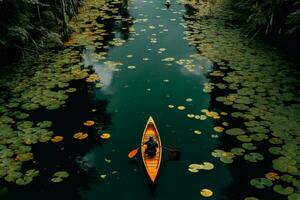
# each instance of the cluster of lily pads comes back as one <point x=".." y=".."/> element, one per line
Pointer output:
<point x="260" y="86"/>
<point x="44" y="83"/>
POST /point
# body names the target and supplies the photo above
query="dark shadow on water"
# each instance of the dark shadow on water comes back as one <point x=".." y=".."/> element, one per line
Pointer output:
<point x="67" y="155"/>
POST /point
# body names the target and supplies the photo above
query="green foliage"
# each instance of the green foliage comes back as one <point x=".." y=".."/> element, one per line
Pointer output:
<point x="271" y="17"/>
<point x="33" y="25"/>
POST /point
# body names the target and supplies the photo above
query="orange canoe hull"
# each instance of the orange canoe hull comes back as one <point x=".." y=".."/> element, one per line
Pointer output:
<point x="151" y="163"/>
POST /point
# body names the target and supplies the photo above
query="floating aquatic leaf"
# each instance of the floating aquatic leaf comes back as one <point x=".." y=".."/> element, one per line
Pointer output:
<point x="57" y="138"/>
<point x="89" y="123"/>
<point x="251" y="198"/>
<point x="272" y="176"/>
<point x="131" y="67"/>
<point x="225" y="123"/>
<point x="248" y="146"/>
<point x="190" y="115"/>
<point x="287" y="178"/>
<point x="103" y="176"/>
<point x="259" y="136"/>
<point x="80" y="135"/>
<point x="235" y="131"/>
<point x="218" y="129"/>
<point x="207" y="166"/>
<point x="244" y="138"/>
<point x="198" y="132"/>
<point x="171" y="106"/>
<point x="105" y="136"/>
<point x="294" y="196"/>
<point x="253" y="157"/>
<point x="261" y="183"/>
<point x="283" y="190"/>
<point x="275" y="141"/>
<point x="238" y="151"/>
<point x="56" y="179"/>
<point x="275" y="150"/>
<point x="203" y="117"/>
<point x="206" y="192"/>
<point x="189" y="100"/>
<point x="181" y="107"/>
<point x="44" y="124"/>
<point x="61" y="174"/>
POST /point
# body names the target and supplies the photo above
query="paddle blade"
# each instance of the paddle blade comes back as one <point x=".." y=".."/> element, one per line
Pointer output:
<point x="133" y="153"/>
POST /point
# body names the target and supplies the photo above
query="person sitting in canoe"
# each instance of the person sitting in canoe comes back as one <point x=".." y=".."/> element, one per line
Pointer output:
<point x="151" y="146"/>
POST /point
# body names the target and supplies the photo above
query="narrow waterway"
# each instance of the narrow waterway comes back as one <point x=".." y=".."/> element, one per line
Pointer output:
<point x="145" y="84"/>
<point x="229" y="105"/>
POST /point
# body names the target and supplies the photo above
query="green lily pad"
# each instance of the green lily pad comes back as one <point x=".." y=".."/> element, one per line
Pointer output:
<point x="253" y="157"/>
<point x="259" y="137"/>
<point x="12" y="176"/>
<point x="244" y="138"/>
<point x="275" y="150"/>
<point x="283" y="190"/>
<point x="240" y="106"/>
<point x="238" y="151"/>
<point x="61" y="174"/>
<point x="248" y="146"/>
<point x="57" y="179"/>
<point x="235" y="131"/>
<point x="24" y="181"/>
<point x="44" y="124"/>
<point x="30" y="106"/>
<point x="285" y="165"/>
<point x="295" y="196"/>
<point x="251" y="198"/>
<point x="261" y="183"/>
<point x="226" y="160"/>
<point x="287" y="178"/>
<point x="275" y="141"/>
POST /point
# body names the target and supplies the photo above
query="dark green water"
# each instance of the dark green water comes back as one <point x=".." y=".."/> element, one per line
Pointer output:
<point x="156" y="58"/>
<point x="135" y="94"/>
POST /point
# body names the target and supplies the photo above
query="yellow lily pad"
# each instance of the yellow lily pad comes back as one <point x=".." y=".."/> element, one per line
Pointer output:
<point x="80" y="135"/>
<point x="218" y="129"/>
<point x="206" y="192"/>
<point x="190" y="115"/>
<point x="57" y="138"/>
<point x="105" y="136"/>
<point x="181" y="107"/>
<point x="272" y="176"/>
<point x="89" y="123"/>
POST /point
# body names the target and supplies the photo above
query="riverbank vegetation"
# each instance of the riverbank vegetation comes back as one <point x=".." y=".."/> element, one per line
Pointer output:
<point x="277" y="22"/>
<point x="29" y="26"/>
<point x="269" y="17"/>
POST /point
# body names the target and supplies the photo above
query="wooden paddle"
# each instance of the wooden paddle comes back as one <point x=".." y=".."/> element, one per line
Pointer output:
<point x="175" y="152"/>
<point x="133" y="152"/>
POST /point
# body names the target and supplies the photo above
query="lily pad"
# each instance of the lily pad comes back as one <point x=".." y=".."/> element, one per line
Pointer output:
<point x="248" y="146"/>
<point x="105" y="136"/>
<point x="272" y="176"/>
<point x="206" y="192"/>
<point x="253" y="157"/>
<point x="261" y="183"/>
<point x="80" y="135"/>
<point x="238" y="151"/>
<point x="61" y="174"/>
<point x="235" y="131"/>
<point x="283" y="190"/>
<point x="89" y="123"/>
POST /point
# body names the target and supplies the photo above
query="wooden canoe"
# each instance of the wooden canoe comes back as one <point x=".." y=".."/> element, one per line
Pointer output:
<point x="151" y="163"/>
